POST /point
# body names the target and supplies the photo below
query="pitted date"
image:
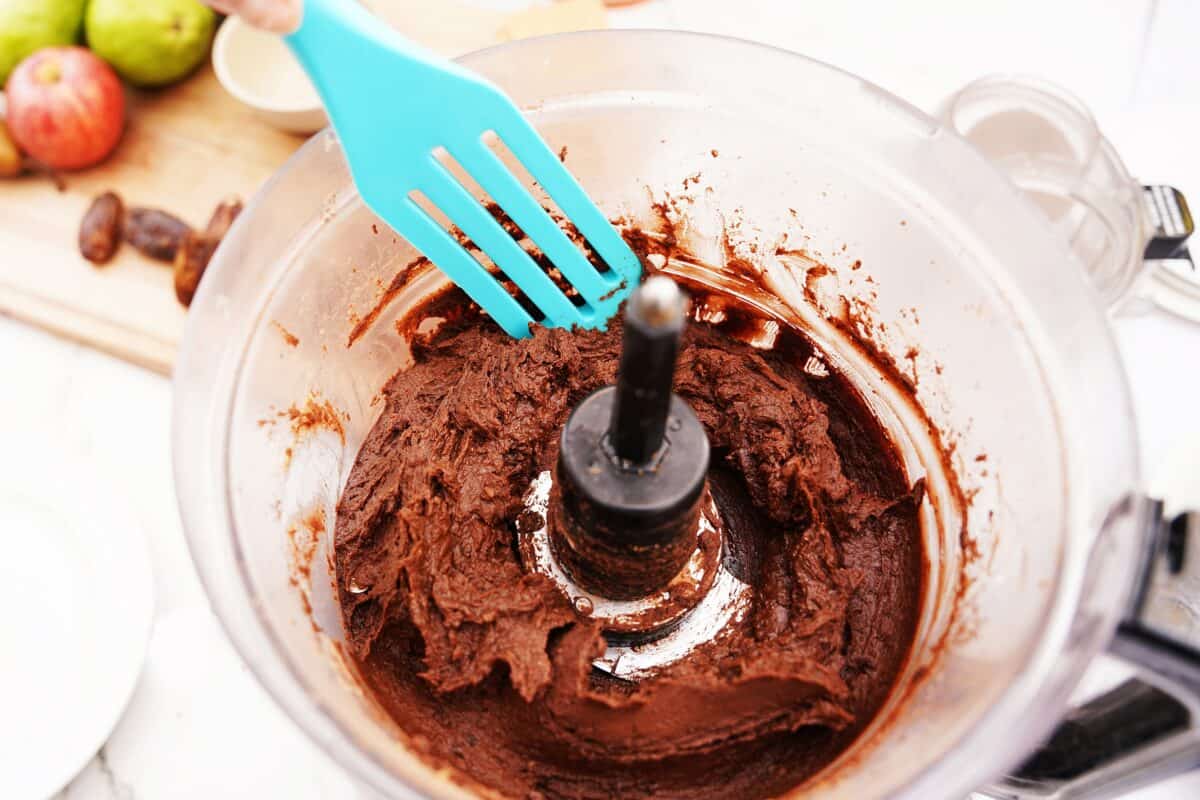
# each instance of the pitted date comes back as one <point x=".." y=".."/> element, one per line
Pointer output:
<point x="222" y="218"/>
<point x="155" y="233"/>
<point x="190" y="262"/>
<point x="100" y="230"/>
<point x="198" y="247"/>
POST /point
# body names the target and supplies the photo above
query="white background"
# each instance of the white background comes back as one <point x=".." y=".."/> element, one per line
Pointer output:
<point x="199" y="726"/>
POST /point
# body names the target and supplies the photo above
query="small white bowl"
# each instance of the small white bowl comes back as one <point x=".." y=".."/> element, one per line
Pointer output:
<point x="257" y="69"/>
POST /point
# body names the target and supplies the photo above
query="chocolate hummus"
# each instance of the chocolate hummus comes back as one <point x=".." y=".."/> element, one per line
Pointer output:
<point x="487" y="668"/>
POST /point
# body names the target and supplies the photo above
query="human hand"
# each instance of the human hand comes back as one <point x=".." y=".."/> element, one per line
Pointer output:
<point x="277" y="16"/>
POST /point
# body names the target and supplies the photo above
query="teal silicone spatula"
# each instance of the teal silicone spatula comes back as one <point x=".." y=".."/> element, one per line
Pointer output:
<point x="393" y="105"/>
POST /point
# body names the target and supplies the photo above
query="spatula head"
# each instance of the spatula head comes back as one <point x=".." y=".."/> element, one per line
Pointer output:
<point x="424" y="139"/>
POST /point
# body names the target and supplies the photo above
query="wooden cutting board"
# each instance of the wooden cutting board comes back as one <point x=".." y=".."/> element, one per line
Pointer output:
<point x="185" y="149"/>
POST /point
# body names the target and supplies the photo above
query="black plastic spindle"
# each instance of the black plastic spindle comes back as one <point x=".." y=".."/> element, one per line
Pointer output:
<point x="632" y="462"/>
<point x="653" y="324"/>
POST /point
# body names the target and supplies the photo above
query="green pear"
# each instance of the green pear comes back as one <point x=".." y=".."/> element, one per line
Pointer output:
<point x="150" y="42"/>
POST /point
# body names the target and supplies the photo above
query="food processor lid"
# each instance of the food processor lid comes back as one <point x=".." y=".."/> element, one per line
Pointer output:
<point x="1132" y="239"/>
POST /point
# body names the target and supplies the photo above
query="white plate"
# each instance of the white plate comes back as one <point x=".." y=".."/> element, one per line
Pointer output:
<point x="76" y="608"/>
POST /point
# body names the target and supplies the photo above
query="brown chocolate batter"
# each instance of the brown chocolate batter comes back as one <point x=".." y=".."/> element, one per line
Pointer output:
<point x="487" y="668"/>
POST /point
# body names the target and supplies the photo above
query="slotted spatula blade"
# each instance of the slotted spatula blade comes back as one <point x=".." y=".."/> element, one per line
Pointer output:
<point x="395" y="108"/>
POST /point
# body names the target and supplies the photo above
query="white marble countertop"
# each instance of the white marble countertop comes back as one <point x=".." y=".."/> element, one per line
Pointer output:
<point x="199" y="726"/>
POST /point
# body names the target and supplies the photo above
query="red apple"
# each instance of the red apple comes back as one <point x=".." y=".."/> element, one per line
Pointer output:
<point x="66" y="108"/>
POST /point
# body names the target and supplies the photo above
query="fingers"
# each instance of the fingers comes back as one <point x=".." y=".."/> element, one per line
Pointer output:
<point x="277" y="16"/>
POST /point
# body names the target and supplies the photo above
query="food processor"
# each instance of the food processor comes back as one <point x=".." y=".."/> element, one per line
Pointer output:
<point x="962" y="316"/>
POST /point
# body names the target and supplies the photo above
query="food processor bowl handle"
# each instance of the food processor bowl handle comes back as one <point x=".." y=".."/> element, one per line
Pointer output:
<point x="1147" y="728"/>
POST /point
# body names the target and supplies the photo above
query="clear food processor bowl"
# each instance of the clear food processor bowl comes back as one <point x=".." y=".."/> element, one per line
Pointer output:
<point x="961" y="280"/>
